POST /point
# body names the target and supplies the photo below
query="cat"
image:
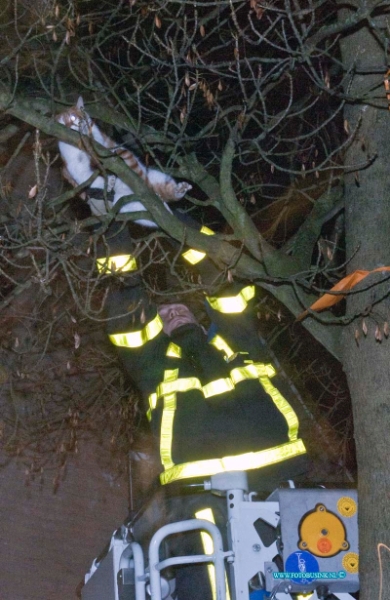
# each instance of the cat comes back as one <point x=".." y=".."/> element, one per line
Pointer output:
<point x="79" y="166"/>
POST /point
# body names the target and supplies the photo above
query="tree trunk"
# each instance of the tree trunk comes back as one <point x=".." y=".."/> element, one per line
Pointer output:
<point x="367" y="357"/>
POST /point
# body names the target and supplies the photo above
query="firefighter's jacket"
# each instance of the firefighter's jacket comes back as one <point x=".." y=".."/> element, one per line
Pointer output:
<point x="210" y="399"/>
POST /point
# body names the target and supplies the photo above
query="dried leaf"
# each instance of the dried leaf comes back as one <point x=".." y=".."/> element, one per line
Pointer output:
<point x="378" y="334"/>
<point x="73" y="319"/>
<point x="57" y="11"/>
<point x="252" y="199"/>
<point x="386" y="329"/>
<point x="54" y="36"/>
<point x="230" y="276"/>
<point x="202" y="30"/>
<point x="68" y="365"/>
<point x="364" y="327"/>
<point x="142" y="317"/>
<point x="187" y="79"/>
<point x="77" y="340"/>
<point x="192" y="87"/>
<point x="329" y="253"/>
<point x="33" y="191"/>
<point x="157" y="21"/>
<point x="327" y="79"/>
<point x="346" y="126"/>
<point x="279" y="315"/>
<point x="257" y="8"/>
<point x="220" y="86"/>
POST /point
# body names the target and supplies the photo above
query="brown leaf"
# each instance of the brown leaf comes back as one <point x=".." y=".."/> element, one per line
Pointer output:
<point x="77" y="340"/>
<point x="157" y="21"/>
<point x="364" y="327"/>
<point x="378" y="334"/>
<point x="33" y="191"/>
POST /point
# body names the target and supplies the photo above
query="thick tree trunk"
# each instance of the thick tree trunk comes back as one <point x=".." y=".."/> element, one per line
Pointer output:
<point x="367" y="359"/>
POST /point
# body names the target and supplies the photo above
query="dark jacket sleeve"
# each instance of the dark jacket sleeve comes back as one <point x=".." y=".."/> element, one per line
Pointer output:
<point x="240" y="326"/>
<point x="133" y="324"/>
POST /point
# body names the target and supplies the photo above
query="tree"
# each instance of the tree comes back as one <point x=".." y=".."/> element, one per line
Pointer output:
<point x="277" y="114"/>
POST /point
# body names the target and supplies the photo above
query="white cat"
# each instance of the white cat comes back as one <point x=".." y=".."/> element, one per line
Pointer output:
<point x="78" y="167"/>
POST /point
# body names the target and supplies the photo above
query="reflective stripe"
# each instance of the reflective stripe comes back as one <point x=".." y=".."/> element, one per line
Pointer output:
<point x="284" y="407"/>
<point x="208" y="548"/>
<point x="253" y="371"/>
<point x="166" y="431"/>
<point x="194" y="256"/>
<point x="232" y="304"/>
<point x="242" y="462"/>
<point x="219" y="343"/>
<point x="170" y="377"/>
<point x="113" y="264"/>
<point x="152" y="405"/>
<point x="173" y="350"/>
<point x="135" y="339"/>
<point x="178" y="385"/>
<point x="219" y="386"/>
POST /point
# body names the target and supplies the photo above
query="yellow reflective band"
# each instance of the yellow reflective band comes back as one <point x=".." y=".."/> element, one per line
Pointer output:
<point x="178" y="385"/>
<point x="284" y="407"/>
<point x="208" y="548"/>
<point x="173" y="350"/>
<point x="219" y="343"/>
<point x="263" y="372"/>
<point x="152" y="401"/>
<point x="252" y="371"/>
<point x="113" y="264"/>
<point x="233" y="304"/>
<point x="242" y="462"/>
<point x="219" y="386"/>
<point x="168" y="416"/>
<point x="135" y="339"/>
<point x="166" y="430"/>
<point x="195" y="256"/>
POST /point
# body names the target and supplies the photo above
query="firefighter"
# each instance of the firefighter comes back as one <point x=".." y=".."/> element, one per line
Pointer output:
<point x="209" y="395"/>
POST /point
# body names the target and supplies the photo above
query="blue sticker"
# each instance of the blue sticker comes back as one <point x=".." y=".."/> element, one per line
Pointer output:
<point x="302" y="567"/>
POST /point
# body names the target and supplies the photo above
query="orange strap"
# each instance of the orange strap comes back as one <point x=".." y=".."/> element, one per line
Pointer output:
<point x="344" y="285"/>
